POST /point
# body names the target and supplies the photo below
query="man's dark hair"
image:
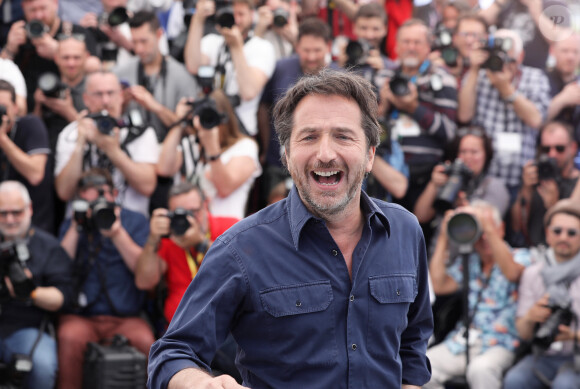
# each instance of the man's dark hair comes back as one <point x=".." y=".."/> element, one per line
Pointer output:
<point x="556" y="123"/>
<point x="6" y="86"/>
<point x="371" y="10"/>
<point x="329" y="83"/>
<point x="471" y="16"/>
<point x="313" y="26"/>
<point x="95" y="178"/>
<point x="183" y="188"/>
<point x="142" y="17"/>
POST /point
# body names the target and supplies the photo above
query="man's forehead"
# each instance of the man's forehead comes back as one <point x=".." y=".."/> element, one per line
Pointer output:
<point x="102" y="82"/>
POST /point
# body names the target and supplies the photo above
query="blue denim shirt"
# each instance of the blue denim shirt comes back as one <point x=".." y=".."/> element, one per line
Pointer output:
<point x="279" y="283"/>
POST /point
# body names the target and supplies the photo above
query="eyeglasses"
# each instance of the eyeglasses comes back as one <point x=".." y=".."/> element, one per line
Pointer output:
<point x="101" y="94"/>
<point x="473" y="130"/>
<point x="14" y="212"/>
<point x="467" y="34"/>
<point x="559" y="148"/>
<point x="572" y="232"/>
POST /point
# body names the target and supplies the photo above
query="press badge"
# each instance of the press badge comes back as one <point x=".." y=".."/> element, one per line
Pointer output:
<point x="405" y="126"/>
<point x="508" y="144"/>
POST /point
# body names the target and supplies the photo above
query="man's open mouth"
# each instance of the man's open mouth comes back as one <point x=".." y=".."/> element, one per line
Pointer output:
<point x="327" y="178"/>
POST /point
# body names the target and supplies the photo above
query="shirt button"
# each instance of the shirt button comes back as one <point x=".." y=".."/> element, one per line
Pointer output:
<point x="351" y="298"/>
<point x="398" y="292"/>
<point x="353" y="346"/>
<point x="298" y="303"/>
<point x="334" y="253"/>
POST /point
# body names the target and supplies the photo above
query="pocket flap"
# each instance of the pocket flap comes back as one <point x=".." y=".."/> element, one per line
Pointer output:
<point x="286" y="300"/>
<point x="396" y="288"/>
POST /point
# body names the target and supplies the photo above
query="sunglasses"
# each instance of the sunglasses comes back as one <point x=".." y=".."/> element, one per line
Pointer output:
<point x="559" y="148"/>
<point x="572" y="232"/>
<point x="13" y="212"/>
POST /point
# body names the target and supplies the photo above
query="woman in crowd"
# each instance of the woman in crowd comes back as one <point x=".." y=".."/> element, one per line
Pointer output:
<point x="221" y="159"/>
<point x="474" y="149"/>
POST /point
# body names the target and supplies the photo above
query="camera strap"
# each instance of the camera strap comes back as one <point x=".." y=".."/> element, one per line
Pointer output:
<point x="144" y="81"/>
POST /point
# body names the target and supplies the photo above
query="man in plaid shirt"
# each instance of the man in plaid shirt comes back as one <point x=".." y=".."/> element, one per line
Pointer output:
<point x="510" y="104"/>
<point x="423" y="118"/>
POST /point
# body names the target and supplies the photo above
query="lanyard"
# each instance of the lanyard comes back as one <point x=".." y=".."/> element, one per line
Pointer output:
<point x="192" y="263"/>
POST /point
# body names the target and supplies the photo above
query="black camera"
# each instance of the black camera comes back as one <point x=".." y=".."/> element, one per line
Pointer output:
<point x="225" y="17"/>
<point x="463" y="229"/>
<point x="114" y="18"/>
<point x="459" y="179"/>
<point x="357" y="52"/>
<point x="209" y="116"/>
<point x="280" y="17"/>
<point x="179" y="223"/>
<point x="13" y="375"/>
<point x="13" y="257"/>
<point x="497" y="49"/>
<point x="399" y="85"/>
<point x="106" y="123"/>
<point x="547" y="168"/>
<point x="102" y="213"/>
<point x="50" y="84"/>
<point x="443" y="43"/>
<point x="2" y="113"/>
<point x="547" y="332"/>
<point x="35" y="29"/>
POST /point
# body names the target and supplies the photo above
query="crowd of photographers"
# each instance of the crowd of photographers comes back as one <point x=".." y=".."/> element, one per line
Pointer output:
<point x="134" y="132"/>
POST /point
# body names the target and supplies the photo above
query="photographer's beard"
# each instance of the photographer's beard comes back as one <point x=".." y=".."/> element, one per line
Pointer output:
<point x="410" y="62"/>
<point x="16" y="229"/>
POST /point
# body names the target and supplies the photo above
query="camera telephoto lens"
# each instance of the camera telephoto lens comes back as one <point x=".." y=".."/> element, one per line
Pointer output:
<point x="50" y="85"/>
<point x="463" y="229"/>
<point x="117" y="16"/>
<point x="280" y="17"/>
<point x="179" y="223"/>
<point x="225" y="17"/>
<point x="35" y="29"/>
<point x="399" y="85"/>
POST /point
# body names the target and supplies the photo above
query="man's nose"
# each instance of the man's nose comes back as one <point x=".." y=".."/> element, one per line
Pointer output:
<point x="326" y="149"/>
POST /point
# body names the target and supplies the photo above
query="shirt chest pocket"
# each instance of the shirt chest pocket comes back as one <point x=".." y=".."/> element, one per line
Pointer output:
<point x="300" y="322"/>
<point x="391" y="297"/>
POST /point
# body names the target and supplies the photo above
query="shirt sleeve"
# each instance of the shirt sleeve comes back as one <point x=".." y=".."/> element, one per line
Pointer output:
<point x="414" y="339"/>
<point x="32" y="136"/>
<point x="203" y="319"/>
<point x="145" y="148"/>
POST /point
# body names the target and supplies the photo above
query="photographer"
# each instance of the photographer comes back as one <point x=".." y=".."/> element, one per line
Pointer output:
<point x="105" y="242"/>
<point x="24" y="151"/>
<point x="363" y="55"/>
<point x="494" y="270"/>
<point x="467" y="36"/>
<point x="243" y="62"/>
<point x="419" y="101"/>
<point x="32" y="43"/>
<point x="59" y="99"/>
<point x="549" y="291"/>
<point x="508" y="100"/>
<point x="40" y="287"/>
<point x="178" y="240"/>
<point x="277" y="23"/>
<point x="549" y="178"/>
<point x="564" y="82"/>
<point x="103" y="140"/>
<point x="474" y="150"/>
<point x="156" y="82"/>
<point x="216" y="155"/>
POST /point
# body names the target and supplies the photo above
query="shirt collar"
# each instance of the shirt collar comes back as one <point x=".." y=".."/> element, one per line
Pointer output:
<point x="299" y="215"/>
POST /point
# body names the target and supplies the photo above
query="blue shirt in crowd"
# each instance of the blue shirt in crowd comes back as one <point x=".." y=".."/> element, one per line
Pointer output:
<point x="279" y="283"/>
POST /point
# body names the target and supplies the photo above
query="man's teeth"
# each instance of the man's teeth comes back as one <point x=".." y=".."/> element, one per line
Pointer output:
<point x="325" y="174"/>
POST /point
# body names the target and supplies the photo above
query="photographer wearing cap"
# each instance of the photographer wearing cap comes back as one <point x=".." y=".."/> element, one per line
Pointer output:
<point x="35" y="281"/>
<point x="418" y="100"/>
<point x="104" y="241"/>
<point x="550" y="177"/>
<point x="178" y="240"/>
<point x="549" y="305"/>
<point x="243" y="62"/>
<point x="107" y="139"/>
<point x="32" y="43"/>
<point x="508" y="100"/>
<point x="494" y="270"/>
<point x="24" y="151"/>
